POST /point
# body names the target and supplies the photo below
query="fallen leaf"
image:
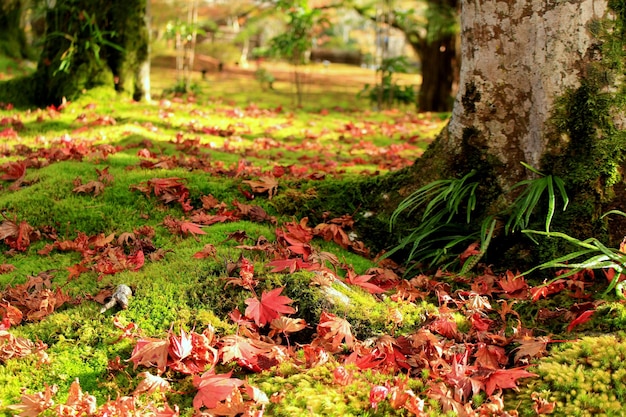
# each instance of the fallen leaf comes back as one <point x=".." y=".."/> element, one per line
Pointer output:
<point x="271" y="306"/>
<point x="264" y="184"/>
<point x="78" y="403"/>
<point x="207" y="251"/>
<point x="151" y="383"/>
<point x="530" y="347"/>
<point x="286" y="325"/>
<point x="363" y="282"/>
<point x="213" y="388"/>
<point x="332" y="329"/>
<point x="582" y="318"/>
<point x="13" y="171"/>
<point x="505" y="378"/>
<point x="32" y="405"/>
<point x="151" y="352"/>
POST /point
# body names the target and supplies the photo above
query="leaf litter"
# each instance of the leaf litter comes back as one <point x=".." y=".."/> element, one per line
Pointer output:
<point x="474" y="343"/>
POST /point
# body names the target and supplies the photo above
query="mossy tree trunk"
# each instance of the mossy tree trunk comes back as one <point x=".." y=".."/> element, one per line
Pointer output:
<point x="91" y="43"/>
<point x="12" y="37"/>
<point x="541" y="83"/>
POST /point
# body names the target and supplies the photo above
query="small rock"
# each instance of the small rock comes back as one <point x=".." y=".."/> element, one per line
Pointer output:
<point x="119" y="297"/>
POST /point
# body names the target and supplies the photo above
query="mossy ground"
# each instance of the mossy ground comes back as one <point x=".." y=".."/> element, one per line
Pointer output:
<point x="232" y="119"/>
<point x="331" y="143"/>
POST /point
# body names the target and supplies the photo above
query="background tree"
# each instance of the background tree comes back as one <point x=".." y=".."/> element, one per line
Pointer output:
<point x="296" y="42"/>
<point x="431" y="29"/>
<point x="13" y="41"/>
<point x="88" y="43"/>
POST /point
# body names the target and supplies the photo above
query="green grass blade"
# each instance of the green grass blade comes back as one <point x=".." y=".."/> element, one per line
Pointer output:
<point x="551" y="203"/>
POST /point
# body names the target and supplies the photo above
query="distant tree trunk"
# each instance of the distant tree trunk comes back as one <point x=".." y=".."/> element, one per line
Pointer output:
<point x="91" y="43"/>
<point x="439" y="73"/>
<point x="12" y="37"/>
<point x="438" y="56"/>
<point x="435" y="43"/>
<point x="142" y="77"/>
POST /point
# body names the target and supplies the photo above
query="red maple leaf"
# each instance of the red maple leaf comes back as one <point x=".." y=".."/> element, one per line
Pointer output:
<point x="293" y="264"/>
<point x="362" y="281"/>
<point x="472" y="249"/>
<point x="271" y="306"/>
<point x="505" y="378"/>
<point x="192" y="228"/>
<point x="296" y="232"/>
<point x="547" y="289"/>
<point x="490" y="356"/>
<point x="445" y="326"/>
<point x="207" y="251"/>
<point x="213" y="388"/>
<point x="513" y="286"/>
<point x="13" y="171"/>
<point x="582" y="318"/>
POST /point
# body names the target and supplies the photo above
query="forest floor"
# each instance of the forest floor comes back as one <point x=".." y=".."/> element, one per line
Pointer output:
<point x="179" y="211"/>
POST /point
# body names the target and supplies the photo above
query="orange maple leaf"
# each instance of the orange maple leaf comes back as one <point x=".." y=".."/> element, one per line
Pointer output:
<point x="92" y="187"/>
<point x="242" y="349"/>
<point x="32" y="405"/>
<point x="151" y="352"/>
<point x="151" y="383"/>
<point x="531" y="347"/>
<point x="213" y="388"/>
<point x="334" y="329"/>
<point x="286" y="325"/>
<point x="78" y="403"/>
<point x="264" y="184"/>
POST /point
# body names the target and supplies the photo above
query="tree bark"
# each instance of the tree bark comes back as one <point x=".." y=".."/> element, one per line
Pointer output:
<point x="439" y="74"/>
<point x="12" y="37"/>
<point x="91" y="43"/>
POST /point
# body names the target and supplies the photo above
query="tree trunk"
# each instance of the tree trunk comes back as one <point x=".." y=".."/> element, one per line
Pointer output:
<point x="12" y="37"/>
<point x="439" y="73"/>
<point x="438" y="55"/>
<point x="436" y="46"/>
<point x="91" y="43"/>
<point x="541" y="83"/>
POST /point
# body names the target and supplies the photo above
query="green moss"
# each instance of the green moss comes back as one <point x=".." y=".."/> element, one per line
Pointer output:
<point x="585" y="378"/>
<point x="313" y="392"/>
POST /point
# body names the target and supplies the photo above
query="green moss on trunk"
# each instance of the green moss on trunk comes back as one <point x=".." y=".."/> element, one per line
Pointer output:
<point x="88" y="44"/>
